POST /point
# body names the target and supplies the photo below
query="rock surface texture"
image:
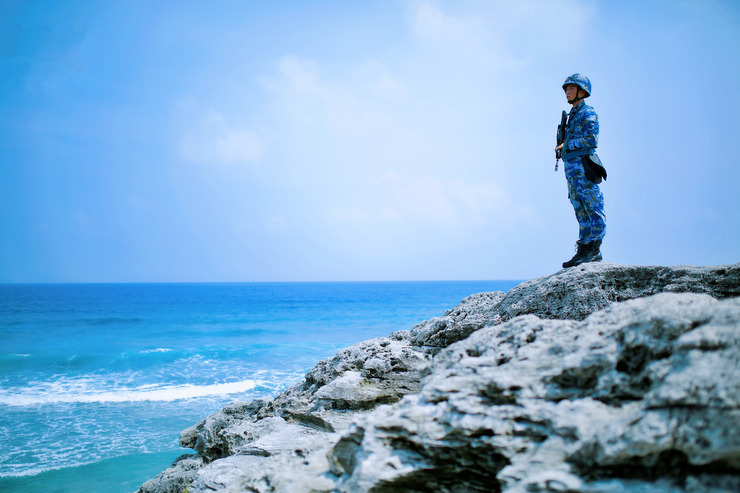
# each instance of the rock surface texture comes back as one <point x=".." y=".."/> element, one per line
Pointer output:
<point x="599" y="378"/>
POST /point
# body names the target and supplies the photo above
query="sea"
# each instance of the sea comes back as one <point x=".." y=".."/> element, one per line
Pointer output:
<point x="98" y="380"/>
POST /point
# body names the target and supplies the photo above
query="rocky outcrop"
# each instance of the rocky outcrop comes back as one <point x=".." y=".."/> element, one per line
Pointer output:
<point x="644" y="390"/>
<point x="284" y="441"/>
<point x="600" y="378"/>
<point x="575" y="293"/>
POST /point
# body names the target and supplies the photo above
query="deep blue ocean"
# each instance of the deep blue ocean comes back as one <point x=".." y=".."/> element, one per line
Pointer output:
<point x="98" y="380"/>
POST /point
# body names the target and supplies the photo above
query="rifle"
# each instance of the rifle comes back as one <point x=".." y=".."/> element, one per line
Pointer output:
<point x="560" y="137"/>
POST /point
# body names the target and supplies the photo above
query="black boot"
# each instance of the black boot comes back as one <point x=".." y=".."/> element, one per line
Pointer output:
<point x="592" y="253"/>
<point x="580" y="252"/>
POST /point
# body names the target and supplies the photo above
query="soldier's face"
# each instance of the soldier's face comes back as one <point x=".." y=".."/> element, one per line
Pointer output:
<point x="571" y="91"/>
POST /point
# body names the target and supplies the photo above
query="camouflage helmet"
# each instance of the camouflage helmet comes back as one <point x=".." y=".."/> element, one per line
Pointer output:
<point x="579" y="80"/>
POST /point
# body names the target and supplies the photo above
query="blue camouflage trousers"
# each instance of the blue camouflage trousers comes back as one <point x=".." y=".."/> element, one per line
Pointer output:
<point x="587" y="200"/>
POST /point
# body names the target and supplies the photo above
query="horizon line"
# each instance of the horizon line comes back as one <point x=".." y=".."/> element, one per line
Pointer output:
<point x="49" y="283"/>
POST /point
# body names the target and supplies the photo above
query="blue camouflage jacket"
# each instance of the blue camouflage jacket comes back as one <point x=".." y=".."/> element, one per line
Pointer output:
<point x="582" y="134"/>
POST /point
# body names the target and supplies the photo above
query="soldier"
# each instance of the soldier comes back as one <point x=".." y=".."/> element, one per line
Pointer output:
<point x="583" y="171"/>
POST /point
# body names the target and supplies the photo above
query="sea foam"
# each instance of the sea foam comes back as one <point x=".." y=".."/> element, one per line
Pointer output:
<point x="31" y="397"/>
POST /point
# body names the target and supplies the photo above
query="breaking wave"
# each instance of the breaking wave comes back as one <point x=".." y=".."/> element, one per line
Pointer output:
<point x="63" y="394"/>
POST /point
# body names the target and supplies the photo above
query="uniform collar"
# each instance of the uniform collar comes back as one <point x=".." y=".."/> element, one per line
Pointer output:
<point x="575" y="109"/>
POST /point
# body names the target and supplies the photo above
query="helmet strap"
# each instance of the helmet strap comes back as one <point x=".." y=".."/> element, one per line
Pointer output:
<point x="577" y="99"/>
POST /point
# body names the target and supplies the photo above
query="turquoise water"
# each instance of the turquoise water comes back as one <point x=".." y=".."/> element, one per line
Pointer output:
<point x="98" y="380"/>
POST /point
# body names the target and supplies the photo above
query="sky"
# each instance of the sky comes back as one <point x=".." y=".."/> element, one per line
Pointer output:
<point x="327" y="140"/>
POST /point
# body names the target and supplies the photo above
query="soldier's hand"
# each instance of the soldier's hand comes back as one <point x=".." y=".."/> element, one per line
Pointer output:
<point x="560" y="146"/>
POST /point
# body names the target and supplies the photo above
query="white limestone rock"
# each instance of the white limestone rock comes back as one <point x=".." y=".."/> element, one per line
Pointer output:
<point x="544" y="405"/>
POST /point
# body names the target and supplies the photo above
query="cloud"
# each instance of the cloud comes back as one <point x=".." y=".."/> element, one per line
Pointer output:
<point x="393" y="198"/>
<point x="399" y="145"/>
<point x="209" y="138"/>
<point x="302" y="74"/>
<point x="352" y="98"/>
<point x="276" y="224"/>
<point x="499" y="35"/>
<point x="374" y="153"/>
<point x="447" y="32"/>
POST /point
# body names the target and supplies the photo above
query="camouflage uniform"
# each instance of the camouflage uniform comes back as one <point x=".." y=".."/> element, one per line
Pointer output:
<point x="581" y="139"/>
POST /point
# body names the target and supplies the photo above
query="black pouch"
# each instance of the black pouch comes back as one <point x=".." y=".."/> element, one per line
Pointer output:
<point x="593" y="168"/>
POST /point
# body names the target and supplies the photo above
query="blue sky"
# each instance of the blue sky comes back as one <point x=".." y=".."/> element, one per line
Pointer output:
<point x="379" y="140"/>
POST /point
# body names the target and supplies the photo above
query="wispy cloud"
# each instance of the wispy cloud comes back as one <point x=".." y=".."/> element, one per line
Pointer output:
<point x="207" y="137"/>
